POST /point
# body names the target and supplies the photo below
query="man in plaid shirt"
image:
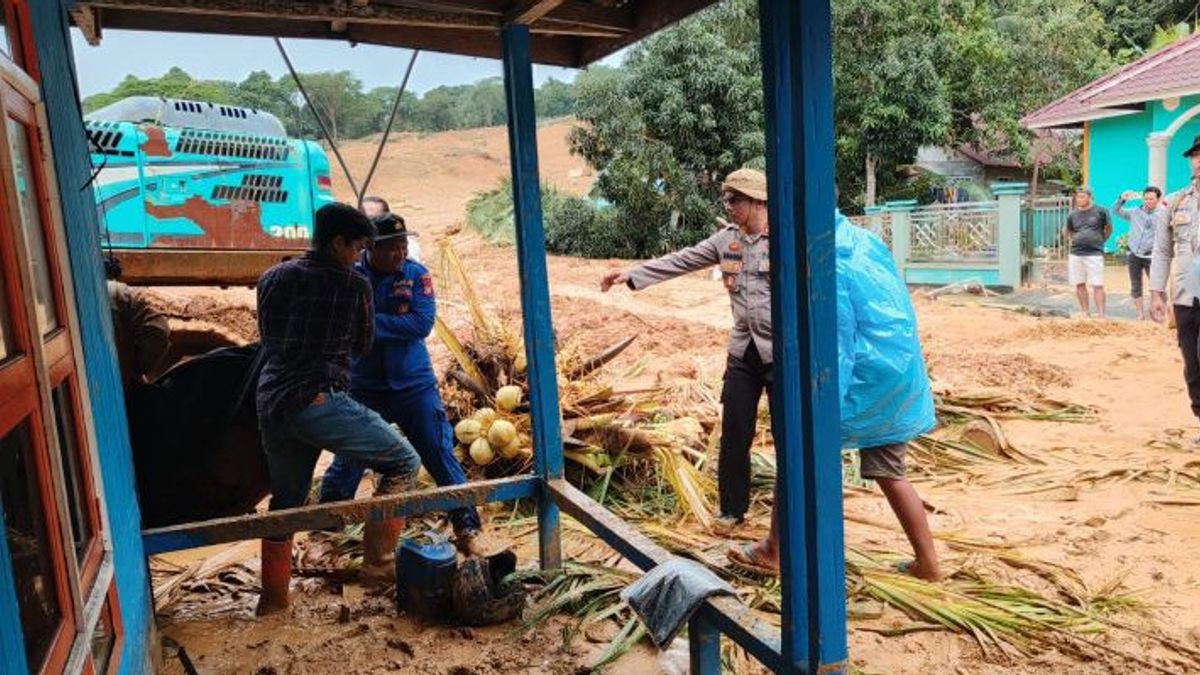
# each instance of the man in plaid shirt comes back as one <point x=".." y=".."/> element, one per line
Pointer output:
<point x="315" y="315"/>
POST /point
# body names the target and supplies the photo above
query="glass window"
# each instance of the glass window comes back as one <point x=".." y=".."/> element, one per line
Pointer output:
<point x="5" y="41"/>
<point x="68" y="444"/>
<point x="7" y="347"/>
<point x="104" y="639"/>
<point x="28" y="545"/>
<point x="31" y="219"/>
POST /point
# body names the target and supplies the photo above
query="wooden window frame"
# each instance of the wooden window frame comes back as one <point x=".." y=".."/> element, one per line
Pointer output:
<point x="40" y="363"/>
<point x="20" y="29"/>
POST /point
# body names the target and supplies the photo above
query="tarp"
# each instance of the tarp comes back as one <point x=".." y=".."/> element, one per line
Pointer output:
<point x="196" y="445"/>
<point x="885" y="393"/>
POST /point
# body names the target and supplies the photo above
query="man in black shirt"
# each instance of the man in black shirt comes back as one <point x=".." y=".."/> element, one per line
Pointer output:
<point x="1088" y="227"/>
<point x="315" y="315"/>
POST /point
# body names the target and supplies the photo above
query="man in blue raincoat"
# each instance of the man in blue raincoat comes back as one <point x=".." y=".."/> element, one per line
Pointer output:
<point x="886" y="400"/>
<point x="396" y="378"/>
<point x="885" y="395"/>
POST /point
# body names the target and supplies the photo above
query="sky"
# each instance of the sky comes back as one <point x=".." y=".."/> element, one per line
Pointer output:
<point x="220" y="57"/>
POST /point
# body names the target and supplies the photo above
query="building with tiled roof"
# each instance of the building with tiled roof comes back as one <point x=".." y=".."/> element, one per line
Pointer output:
<point x="1137" y="121"/>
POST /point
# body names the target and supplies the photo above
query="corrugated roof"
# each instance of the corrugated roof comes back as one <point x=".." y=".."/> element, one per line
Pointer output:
<point x="1173" y="71"/>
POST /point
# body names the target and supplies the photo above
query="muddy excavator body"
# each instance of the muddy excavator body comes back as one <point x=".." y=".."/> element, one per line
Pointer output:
<point x="196" y="193"/>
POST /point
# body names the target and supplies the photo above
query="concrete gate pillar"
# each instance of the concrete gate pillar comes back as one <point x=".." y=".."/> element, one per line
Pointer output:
<point x="1158" y="142"/>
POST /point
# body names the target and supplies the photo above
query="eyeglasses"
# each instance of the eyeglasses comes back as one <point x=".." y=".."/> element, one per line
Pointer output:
<point x="730" y="200"/>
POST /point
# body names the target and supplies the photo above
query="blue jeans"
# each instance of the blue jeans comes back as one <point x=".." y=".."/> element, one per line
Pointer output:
<point x="344" y="427"/>
<point x="422" y="418"/>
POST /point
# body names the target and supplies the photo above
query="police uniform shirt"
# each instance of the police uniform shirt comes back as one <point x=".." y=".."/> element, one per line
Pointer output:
<point x="744" y="262"/>
<point x="1177" y="243"/>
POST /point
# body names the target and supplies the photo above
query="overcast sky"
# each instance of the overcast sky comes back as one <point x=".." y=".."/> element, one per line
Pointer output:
<point x="219" y="57"/>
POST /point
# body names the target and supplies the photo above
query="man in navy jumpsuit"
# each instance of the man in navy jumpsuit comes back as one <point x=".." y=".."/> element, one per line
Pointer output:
<point x="396" y="377"/>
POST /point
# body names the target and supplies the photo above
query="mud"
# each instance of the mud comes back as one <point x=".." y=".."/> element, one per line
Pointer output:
<point x="1120" y="532"/>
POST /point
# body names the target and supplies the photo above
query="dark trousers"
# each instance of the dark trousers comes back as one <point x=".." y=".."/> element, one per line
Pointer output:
<point x="422" y="418"/>
<point x="745" y="380"/>
<point x="1187" y="329"/>
<point x="1138" y="268"/>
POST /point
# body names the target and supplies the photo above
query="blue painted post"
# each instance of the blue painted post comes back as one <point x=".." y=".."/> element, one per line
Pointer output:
<point x="798" y="88"/>
<point x="704" y="646"/>
<point x="12" y="642"/>
<point x="535" y="285"/>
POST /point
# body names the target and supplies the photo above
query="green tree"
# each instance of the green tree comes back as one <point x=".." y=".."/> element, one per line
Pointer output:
<point x="277" y="96"/>
<point x="480" y="104"/>
<point x="1005" y="60"/>
<point x="338" y="98"/>
<point x="891" y="98"/>
<point x="685" y="110"/>
<point x="1131" y="27"/>
<point x="175" y="83"/>
<point x="555" y="99"/>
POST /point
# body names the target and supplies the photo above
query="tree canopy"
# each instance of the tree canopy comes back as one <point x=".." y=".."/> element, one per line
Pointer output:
<point x="348" y="110"/>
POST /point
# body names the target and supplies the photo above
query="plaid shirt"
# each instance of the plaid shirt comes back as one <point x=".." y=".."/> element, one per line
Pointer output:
<point x="314" y="317"/>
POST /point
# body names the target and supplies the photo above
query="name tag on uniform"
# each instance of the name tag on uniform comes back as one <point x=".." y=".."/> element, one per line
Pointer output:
<point x="764" y="266"/>
<point x="402" y="288"/>
<point x="731" y="263"/>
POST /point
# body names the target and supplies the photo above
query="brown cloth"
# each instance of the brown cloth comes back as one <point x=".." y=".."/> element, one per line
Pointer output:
<point x="142" y="333"/>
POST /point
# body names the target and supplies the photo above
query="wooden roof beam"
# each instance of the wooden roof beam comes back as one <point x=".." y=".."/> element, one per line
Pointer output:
<point x="528" y="11"/>
<point x="88" y="21"/>
<point x="547" y="49"/>
<point x="325" y="12"/>
<point x="573" y="17"/>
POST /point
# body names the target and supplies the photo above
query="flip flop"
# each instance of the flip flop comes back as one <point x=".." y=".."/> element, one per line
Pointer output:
<point x="906" y="567"/>
<point x="744" y="558"/>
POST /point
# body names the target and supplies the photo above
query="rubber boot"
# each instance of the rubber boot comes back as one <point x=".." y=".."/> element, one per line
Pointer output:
<point x="276" y="576"/>
<point x="379" y="550"/>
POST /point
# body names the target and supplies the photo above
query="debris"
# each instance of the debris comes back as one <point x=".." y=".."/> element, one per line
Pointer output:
<point x="402" y="646"/>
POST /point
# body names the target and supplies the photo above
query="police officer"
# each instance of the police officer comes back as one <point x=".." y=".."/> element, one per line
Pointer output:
<point x="1176" y="245"/>
<point x="740" y="248"/>
<point x="396" y="377"/>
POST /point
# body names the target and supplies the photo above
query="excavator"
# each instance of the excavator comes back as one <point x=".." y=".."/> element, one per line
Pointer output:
<point x="196" y="193"/>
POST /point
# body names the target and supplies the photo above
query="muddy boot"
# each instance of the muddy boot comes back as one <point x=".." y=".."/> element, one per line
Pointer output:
<point x="379" y="550"/>
<point x="379" y="538"/>
<point x="478" y="543"/>
<point x="276" y="576"/>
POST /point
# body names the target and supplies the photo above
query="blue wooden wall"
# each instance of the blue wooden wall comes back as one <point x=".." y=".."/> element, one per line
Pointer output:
<point x="69" y="145"/>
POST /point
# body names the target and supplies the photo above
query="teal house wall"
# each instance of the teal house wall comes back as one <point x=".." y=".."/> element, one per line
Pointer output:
<point x="1118" y="154"/>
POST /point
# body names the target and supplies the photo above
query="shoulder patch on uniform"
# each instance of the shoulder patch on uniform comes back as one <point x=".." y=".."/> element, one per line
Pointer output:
<point x="427" y="284"/>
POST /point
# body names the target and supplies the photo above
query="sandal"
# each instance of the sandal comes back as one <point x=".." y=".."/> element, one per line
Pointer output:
<point x="725" y="526"/>
<point x="906" y="567"/>
<point x="745" y="558"/>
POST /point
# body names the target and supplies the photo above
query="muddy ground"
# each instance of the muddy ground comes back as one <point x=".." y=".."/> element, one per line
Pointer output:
<point x="1116" y="531"/>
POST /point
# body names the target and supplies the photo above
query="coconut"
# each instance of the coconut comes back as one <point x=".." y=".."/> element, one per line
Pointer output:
<point x="466" y="431"/>
<point x="501" y="433"/>
<point x="460" y="453"/>
<point x="508" y="397"/>
<point x="481" y="452"/>
<point x="484" y="416"/>
<point x="512" y="450"/>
